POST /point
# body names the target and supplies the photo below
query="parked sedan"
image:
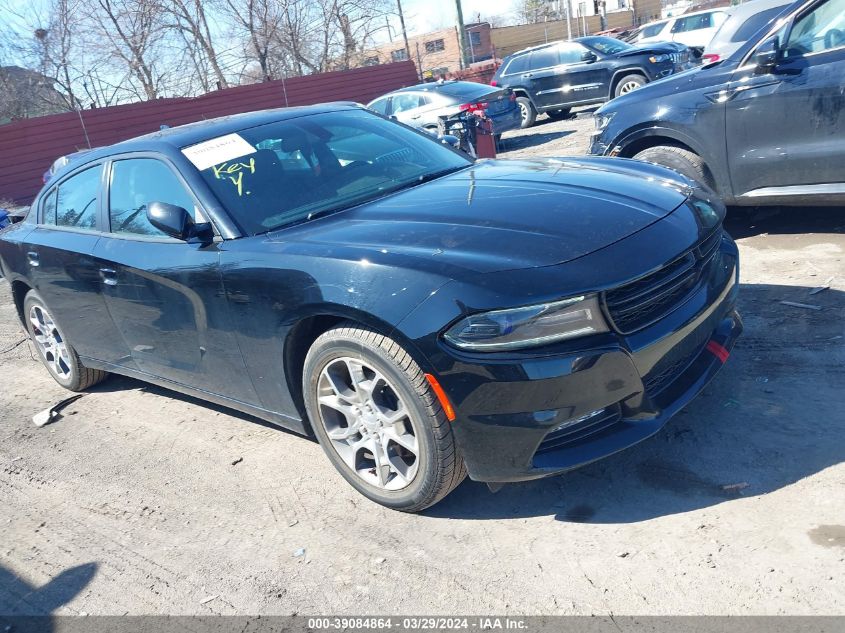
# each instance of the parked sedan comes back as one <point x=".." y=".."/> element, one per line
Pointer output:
<point x="421" y="106"/>
<point x="340" y="275"/>
<point x="764" y="126"/>
<point x="553" y="78"/>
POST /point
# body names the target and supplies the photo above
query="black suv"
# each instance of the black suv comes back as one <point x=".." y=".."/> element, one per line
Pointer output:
<point x="764" y="126"/>
<point x="554" y="77"/>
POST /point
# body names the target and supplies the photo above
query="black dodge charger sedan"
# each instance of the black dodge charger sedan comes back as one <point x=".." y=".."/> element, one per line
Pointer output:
<point x="552" y="78"/>
<point x="424" y="316"/>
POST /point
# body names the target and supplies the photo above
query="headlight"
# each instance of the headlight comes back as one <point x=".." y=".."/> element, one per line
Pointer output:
<point x="656" y="59"/>
<point x="528" y="326"/>
<point x="602" y="120"/>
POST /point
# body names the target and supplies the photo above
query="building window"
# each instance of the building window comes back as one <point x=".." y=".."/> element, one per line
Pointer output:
<point x="475" y="38"/>
<point x="399" y="55"/>
<point x="435" y="46"/>
<point x="372" y="61"/>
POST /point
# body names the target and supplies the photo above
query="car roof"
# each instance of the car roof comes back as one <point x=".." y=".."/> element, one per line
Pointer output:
<point x="170" y="138"/>
<point x="432" y="86"/>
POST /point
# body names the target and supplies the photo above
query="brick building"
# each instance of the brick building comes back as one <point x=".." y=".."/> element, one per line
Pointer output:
<point x="438" y="52"/>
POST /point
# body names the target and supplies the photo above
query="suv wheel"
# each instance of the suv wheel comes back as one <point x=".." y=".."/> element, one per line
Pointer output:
<point x="681" y="160"/>
<point x="629" y="83"/>
<point x="378" y="420"/>
<point x="526" y="111"/>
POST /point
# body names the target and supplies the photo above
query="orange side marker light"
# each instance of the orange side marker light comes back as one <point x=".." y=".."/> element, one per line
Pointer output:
<point x="448" y="409"/>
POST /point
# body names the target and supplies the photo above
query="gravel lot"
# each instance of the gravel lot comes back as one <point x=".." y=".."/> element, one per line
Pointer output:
<point x="133" y="501"/>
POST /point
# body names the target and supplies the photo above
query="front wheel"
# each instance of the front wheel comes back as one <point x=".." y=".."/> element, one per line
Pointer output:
<point x="629" y="83"/>
<point x="378" y="419"/>
<point x="681" y="160"/>
<point x="55" y="351"/>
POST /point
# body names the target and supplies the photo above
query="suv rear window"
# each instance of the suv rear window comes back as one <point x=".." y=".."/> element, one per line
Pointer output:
<point x="654" y="29"/>
<point x="755" y="23"/>
<point x="517" y="65"/>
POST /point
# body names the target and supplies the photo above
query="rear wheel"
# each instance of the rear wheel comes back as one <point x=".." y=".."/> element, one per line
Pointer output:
<point x="55" y="351"/>
<point x="526" y="111"/>
<point x="629" y="83"/>
<point x="681" y="160"/>
<point x="559" y="115"/>
<point x="378" y="419"/>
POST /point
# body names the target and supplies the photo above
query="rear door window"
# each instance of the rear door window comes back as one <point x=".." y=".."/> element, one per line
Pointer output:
<point x="545" y="58"/>
<point x="379" y="105"/>
<point x="693" y="23"/>
<point x="77" y="200"/>
<point x="404" y="102"/>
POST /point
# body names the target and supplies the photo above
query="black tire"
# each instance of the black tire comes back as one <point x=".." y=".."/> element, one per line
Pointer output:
<point x="527" y="112"/>
<point x="75" y="376"/>
<point x="440" y="467"/>
<point x="681" y="160"/>
<point x="559" y="115"/>
<point x="629" y="83"/>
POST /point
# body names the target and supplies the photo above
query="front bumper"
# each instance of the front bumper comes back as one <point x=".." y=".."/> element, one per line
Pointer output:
<point x="605" y="398"/>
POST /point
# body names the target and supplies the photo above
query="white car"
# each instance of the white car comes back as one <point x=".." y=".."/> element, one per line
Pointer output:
<point x="693" y="29"/>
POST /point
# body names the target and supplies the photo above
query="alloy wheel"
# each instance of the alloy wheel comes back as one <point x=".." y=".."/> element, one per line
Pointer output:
<point x="367" y="423"/>
<point x="50" y="342"/>
<point x="628" y="86"/>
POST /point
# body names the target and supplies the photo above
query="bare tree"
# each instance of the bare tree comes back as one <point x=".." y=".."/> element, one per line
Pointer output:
<point x="133" y="31"/>
<point x="260" y="24"/>
<point x="190" y="16"/>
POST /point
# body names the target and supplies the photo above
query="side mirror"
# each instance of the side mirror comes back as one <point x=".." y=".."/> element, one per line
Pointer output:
<point x="767" y="55"/>
<point x="589" y="57"/>
<point x="177" y="222"/>
<point x="449" y="139"/>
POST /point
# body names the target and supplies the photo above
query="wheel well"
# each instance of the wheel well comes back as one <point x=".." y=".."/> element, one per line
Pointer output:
<point x="521" y="93"/>
<point x="19" y="290"/>
<point x="621" y="75"/>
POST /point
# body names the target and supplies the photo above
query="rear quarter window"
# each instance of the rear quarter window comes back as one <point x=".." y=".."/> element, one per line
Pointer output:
<point x="48" y="208"/>
<point x="517" y="65"/>
<point x="653" y="30"/>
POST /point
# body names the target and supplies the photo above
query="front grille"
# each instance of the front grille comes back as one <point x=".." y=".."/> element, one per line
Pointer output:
<point x="580" y="430"/>
<point x="680" y="58"/>
<point x="642" y="302"/>
<point x="660" y="381"/>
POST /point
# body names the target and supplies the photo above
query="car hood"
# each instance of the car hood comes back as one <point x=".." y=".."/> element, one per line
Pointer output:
<point x="658" y="48"/>
<point x="500" y="215"/>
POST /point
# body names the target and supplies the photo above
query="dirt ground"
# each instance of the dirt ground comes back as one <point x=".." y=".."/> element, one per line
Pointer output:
<point x="141" y="501"/>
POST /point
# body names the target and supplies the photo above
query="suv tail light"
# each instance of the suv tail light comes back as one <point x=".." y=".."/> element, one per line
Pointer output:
<point x="473" y="107"/>
<point x="709" y="58"/>
<point x="493" y="82"/>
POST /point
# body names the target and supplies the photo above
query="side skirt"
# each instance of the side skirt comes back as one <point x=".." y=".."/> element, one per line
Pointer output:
<point x="278" y="419"/>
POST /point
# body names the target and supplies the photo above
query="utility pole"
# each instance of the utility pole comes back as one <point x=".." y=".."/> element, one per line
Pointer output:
<point x="462" y="36"/>
<point x="568" y="22"/>
<point x="404" y="32"/>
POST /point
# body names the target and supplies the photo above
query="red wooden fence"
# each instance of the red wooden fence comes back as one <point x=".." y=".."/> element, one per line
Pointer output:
<point x="28" y="147"/>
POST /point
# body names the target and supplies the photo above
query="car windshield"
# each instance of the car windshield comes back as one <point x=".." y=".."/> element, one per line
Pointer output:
<point x="291" y="171"/>
<point x="608" y="45"/>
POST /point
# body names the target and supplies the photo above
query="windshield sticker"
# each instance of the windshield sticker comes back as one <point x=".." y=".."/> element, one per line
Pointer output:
<point x="234" y="171"/>
<point x="218" y="150"/>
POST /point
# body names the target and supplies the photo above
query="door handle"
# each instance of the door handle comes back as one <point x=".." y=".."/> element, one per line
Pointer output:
<point x="32" y="258"/>
<point x="527" y="75"/>
<point x="109" y="276"/>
